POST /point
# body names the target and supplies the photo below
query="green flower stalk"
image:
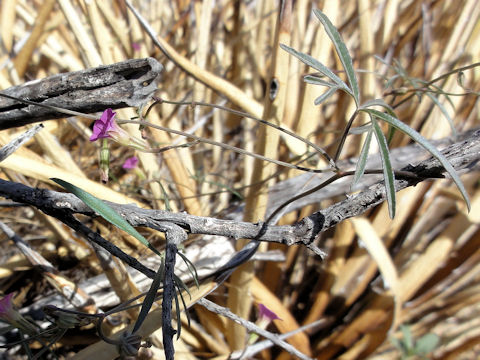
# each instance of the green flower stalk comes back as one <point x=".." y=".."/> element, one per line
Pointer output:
<point x="104" y="161"/>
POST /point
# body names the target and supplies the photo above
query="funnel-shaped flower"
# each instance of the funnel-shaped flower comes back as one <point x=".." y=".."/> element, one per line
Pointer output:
<point x="130" y="163"/>
<point x="266" y="314"/>
<point x="265" y="317"/>
<point x="10" y="315"/>
<point x="7" y="312"/>
<point x="107" y="127"/>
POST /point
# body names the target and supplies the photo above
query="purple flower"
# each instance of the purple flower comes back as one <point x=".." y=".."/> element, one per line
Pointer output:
<point x="265" y="317"/>
<point x="10" y="315"/>
<point x="130" y="163"/>
<point x="266" y="313"/>
<point x="136" y="46"/>
<point x="106" y="126"/>
<point x="7" y="312"/>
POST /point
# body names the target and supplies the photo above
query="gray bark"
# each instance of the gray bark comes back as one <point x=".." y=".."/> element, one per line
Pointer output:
<point x="400" y="158"/>
<point x="463" y="155"/>
<point x="124" y="84"/>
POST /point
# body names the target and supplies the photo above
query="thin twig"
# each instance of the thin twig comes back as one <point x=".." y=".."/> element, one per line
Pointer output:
<point x="251" y="327"/>
<point x="13" y="145"/>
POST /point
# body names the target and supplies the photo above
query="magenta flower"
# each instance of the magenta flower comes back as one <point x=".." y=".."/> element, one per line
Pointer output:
<point x="7" y="312"/>
<point x="266" y="313"/>
<point x="107" y="128"/>
<point x="10" y="315"/>
<point x="265" y="317"/>
<point x="136" y="46"/>
<point x="130" y="163"/>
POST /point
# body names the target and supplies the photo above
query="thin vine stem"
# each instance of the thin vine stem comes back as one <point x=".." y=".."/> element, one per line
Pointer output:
<point x="330" y="180"/>
<point x="321" y="151"/>
<point x="441" y="77"/>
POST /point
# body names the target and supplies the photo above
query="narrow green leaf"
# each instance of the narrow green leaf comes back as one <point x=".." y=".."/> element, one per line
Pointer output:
<point x="382" y="103"/>
<point x="357" y="130"/>
<point x="315" y="80"/>
<point x="378" y="102"/>
<point x="425" y="144"/>
<point x="411" y="80"/>
<point x="191" y="268"/>
<point x="178" y="314"/>
<point x="325" y="95"/>
<point x="105" y="211"/>
<point x="182" y="285"/>
<point x="362" y="160"/>
<point x="184" y="304"/>
<point x="407" y="337"/>
<point x="317" y="65"/>
<point x="149" y="298"/>
<point x="426" y="344"/>
<point x="342" y="52"/>
<point x="388" y="174"/>
<point x="439" y="91"/>
<point x="391" y="132"/>
<point x="391" y="81"/>
<point x="444" y="112"/>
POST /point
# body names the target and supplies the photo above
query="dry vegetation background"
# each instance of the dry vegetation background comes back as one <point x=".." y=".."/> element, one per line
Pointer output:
<point x="432" y="241"/>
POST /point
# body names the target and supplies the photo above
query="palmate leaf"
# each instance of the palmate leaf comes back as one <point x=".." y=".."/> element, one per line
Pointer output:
<point x="342" y="52"/>
<point x="426" y="145"/>
<point x="105" y="211"/>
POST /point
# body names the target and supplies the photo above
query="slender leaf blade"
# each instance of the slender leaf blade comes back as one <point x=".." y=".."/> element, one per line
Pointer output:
<point x="150" y="297"/>
<point x="388" y="173"/>
<point x="378" y="102"/>
<point x="104" y="211"/>
<point x="315" y="80"/>
<point x="325" y="95"/>
<point x="427" y="146"/>
<point x="382" y="103"/>
<point x="317" y="65"/>
<point x="426" y="344"/>
<point x="342" y="52"/>
<point x="191" y="268"/>
<point x="362" y="160"/>
<point x="357" y="130"/>
<point x="407" y="337"/>
<point x="178" y="314"/>
<point x="444" y="112"/>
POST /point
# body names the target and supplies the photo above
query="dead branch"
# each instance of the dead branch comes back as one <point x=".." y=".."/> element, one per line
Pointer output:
<point x="124" y="84"/>
<point x="462" y="155"/>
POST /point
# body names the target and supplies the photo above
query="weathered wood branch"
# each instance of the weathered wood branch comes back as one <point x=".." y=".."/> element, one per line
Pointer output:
<point x="124" y="84"/>
<point x="462" y="155"/>
<point x="400" y="158"/>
